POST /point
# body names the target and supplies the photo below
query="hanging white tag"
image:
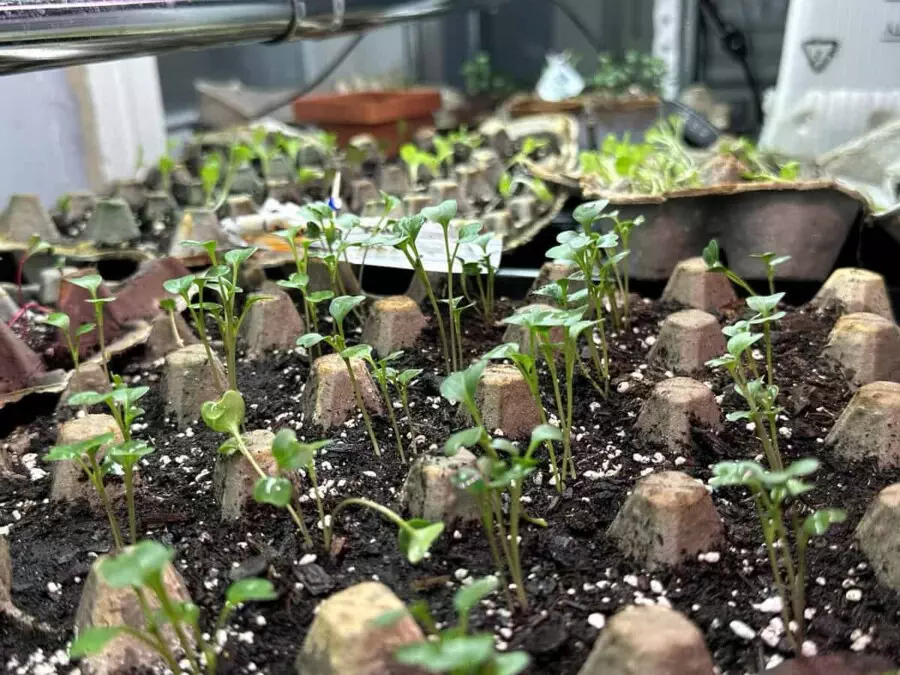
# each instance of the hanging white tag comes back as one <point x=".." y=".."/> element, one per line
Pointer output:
<point x="559" y="80"/>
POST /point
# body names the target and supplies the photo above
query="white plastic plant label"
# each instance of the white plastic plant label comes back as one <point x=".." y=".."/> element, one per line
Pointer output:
<point x="559" y="80"/>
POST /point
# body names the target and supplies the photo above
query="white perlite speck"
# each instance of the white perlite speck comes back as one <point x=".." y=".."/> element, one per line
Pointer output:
<point x="597" y="620"/>
<point x="854" y="595"/>
<point x="742" y="630"/>
<point x="769" y="605"/>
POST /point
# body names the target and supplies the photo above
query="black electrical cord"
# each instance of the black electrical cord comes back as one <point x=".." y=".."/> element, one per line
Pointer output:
<point x="735" y="43"/>
<point x="323" y="75"/>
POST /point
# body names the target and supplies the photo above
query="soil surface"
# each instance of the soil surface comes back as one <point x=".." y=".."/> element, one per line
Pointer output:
<point x="574" y="570"/>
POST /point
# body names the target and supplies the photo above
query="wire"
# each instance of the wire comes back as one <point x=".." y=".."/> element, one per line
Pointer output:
<point x="323" y="75"/>
<point x="735" y="43"/>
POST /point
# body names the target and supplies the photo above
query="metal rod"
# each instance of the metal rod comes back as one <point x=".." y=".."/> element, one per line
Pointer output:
<point x="51" y="33"/>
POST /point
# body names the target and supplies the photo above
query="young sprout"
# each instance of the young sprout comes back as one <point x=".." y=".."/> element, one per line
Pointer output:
<point x="764" y="306"/>
<point x="169" y="306"/>
<point x="403" y="238"/>
<point x="292" y="455"/>
<point x="775" y="494"/>
<point x="142" y="568"/>
<point x="442" y="214"/>
<point x="587" y="215"/>
<point x="475" y="269"/>
<point x="381" y="373"/>
<point x="401" y="381"/>
<point x="493" y="476"/>
<point x="91" y="283"/>
<point x="222" y="279"/>
<point x="210" y="175"/>
<point x="185" y="287"/>
<point x="760" y="397"/>
<point x="122" y="404"/>
<point x="226" y="416"/>
<point x="339" y="308"/>
<point x="259" y="144"/>
<point x="166" y="166"/>
<point x="73" y="341"/>
<point x="299" y="280"/>
<point x="589" y="252"/>
<point x="388" y="204"/>
<point x="454" y="650"/>
<point x="414" y="536"/>
<point x="413" y="158"/>
<point x="771" y="261"/>
<point x="526" y="364"/>
<point x="84" y="454"/>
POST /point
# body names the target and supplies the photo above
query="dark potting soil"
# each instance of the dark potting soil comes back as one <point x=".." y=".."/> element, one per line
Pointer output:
<point x="574" y="571"/>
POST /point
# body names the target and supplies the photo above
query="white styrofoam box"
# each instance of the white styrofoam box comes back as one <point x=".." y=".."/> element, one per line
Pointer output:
<point x="838" y="77"/>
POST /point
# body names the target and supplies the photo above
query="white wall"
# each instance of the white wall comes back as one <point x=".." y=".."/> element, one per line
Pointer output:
<point x="78" y="128"/>
<point x="41" y="143"/>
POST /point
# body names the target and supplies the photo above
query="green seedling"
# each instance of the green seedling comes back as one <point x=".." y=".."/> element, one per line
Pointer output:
<point x="142" y="568"/>
<point x="526" y="364"/>
<point x="122" y="403"/>
<point x="659" y="165"/>
<point x="226" y="416"/>
<point x="388" y="204"/>
<point x="442" y="214"/>
<point x="402" y="380"/>
<point x="587" y="215"/>
<point x="764" y="306"/>
<point x="212" y="177"/>
<point x="221" y="279"/>
<point x="761" y="397"/>
<point x="339" y="308"/>
<point x="475" y="269"/>
<point x="166" y="167"/>
<point x="259" y="144"/>
<point x="502" y="470"/>
<point x="169" y="306"/>
<point x="188" y="287"/>
<point x="403" y="238"/>
<point x="85" y="455"/>
<point x="299" y="280"/>
<point x="481" y="79"/>
<point x="776" y="496"/>
<point x="92" y="284"/>
<point x="415" y="536"/>
<point x="382" y="375"/>
<point x="515" y="174"/>
<point x="591" y="254"/>
<point x="292" y="455"/>
<point x="455" y="650"/>
<point x="61" y="321"/>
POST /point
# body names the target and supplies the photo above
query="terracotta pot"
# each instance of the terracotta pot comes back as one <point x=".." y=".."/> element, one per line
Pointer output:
<point x="391" y="116"/>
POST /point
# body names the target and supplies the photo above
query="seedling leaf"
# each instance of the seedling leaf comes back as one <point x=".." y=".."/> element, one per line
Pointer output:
<point x="93" y="640"/>
<point x="272" y="490"/>
<point x="416" y="539"/>
<point x="136" y="565"/>
<point x="226" y="414"/>
<point x="250" y="590"/>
